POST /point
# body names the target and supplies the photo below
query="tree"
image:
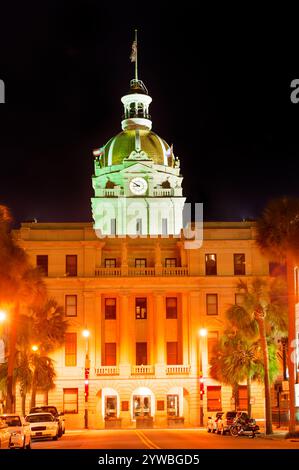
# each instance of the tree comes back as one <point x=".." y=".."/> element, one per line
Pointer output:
<point x="278" y="236"/>
<point x="20" y="285"/>
<point x="263" y="314"/>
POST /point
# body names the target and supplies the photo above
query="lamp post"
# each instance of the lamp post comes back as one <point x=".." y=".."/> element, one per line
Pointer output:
<point x="3" y="317"/>
<point x="202" y="334"/>
<point x="86" y="334"/>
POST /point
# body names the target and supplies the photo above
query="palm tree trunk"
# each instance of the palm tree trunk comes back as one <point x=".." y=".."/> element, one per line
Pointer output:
<point x="10" y="399"/>
<point x="249" y="395"/>
<point x="291" y="339"/>
<point x="33" y="391"/>
<point x="23" y="403"/>
<point x="268" y="408"/>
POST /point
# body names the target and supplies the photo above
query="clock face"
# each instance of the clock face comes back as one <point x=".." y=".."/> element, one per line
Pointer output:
<point x="138" y="186"/>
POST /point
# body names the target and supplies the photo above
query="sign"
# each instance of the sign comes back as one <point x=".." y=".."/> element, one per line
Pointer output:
<point x="296" y="394"/>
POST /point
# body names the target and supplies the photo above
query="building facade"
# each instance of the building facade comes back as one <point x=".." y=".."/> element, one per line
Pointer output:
<point x="133" y="282"/>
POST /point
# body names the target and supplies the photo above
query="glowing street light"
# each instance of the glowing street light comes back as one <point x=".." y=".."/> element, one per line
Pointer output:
<point x="86" y="335"/>
<point x="203" y="332"/>
<point x="34" y="348"/>
<point x="3" y="316"/>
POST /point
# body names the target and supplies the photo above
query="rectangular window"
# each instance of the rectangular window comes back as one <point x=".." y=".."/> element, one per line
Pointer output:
<point x="110" y="263"/>
<point x="140" y="263"/>
<point x="242" y="398"/>
<point x="239" y="264"/>
<point x="110" y="406"/>
<point x="211" y="264"/>
<point x="212" y="343"/>
<point x="214" y="398"/>
<point x="173" y="408"/>
<point x="170" y="262"/>
<point x="140" y="308"/>
<point x="171" y="307"/>
<point x="212" y="304"/>
<point x="71" y="265"/>
<point x="164" y="227"/>
<point x="139" y="227"/>
<point x="42" y="264"/>
<point x="70" y="349"/>
<point x="110" y="354"/>
<point x="113" y="226"/>
<point x="239" y="299"/>
<point x="70" y="400"/>
<point x="70" y="305"/>
<point x="141" y="354"/>
<point x="172" y="353"/>
<point x="110" y="309"/>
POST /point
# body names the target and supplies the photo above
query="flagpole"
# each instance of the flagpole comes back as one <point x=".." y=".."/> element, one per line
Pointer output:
<point x="136" y="63"/>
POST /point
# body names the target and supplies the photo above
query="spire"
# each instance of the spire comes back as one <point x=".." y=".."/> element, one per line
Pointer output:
<point x="134" y="55"/>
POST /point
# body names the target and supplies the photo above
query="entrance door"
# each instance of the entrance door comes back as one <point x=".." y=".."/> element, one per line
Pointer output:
<point x="141" y="405"/>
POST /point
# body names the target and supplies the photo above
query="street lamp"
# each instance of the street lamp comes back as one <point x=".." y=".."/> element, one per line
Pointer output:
<point x="86" y="334"/>
<point x="203" y="332"/>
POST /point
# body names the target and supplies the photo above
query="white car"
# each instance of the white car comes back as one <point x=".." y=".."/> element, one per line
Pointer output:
<point x="19" y="431"/>
<point x="42" y="425"/>
<point x="4" y="435"/>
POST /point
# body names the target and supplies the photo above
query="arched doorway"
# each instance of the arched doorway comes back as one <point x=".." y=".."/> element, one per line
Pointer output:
<point x="142" y="403"/>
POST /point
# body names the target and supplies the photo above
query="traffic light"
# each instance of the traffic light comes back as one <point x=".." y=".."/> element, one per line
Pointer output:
<point x="201" y="387"/>
<point x="86" y="383"/>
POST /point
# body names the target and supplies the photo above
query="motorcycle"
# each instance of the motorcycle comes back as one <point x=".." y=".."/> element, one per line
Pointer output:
<point x="241" y="427"/>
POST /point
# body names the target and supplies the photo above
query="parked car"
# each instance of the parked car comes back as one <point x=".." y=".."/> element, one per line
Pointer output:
<point x="225" y="422"/>
<point x="19" y="431"/>
<point x="58" y="416"/>
<point x="212" y="422"/>
<point x="4" y="435"/>
<point x="43" y="425"/>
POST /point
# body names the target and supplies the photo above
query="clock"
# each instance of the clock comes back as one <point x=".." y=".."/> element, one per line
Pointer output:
<point x="138" y="186"/>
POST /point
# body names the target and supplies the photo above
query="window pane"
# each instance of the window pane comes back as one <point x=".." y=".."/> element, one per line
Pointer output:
<point x="214" y="398"/>
<point x="211" y="265"/>
<point x="42" y="264"/>
<point x="140" y="308"/>
<point x="164" y="227"/>
<point x="170" y="262"/>
<point x="71" y="265"/>
<point x="70" y="305"/>
<point x="140" y="262"/>
<point x="141" y="354"/>
<point x="172" y="353"/>
<point x="242" y="398"/>
<point x="111" y="406"/>
<point x="173" y="405"/>
<point x="113" y="226"/>
<point x="139" y="226"/>
<point x="110" y="354"/>
<point x="110" y="309"/>
<point x="171" y="307"/>
<point x="70" y="400"/>
<point x="212" y="304"/>
<point x="110" y="263"/>
<point x="71" y="349"/>
<point x="239" y="264"/>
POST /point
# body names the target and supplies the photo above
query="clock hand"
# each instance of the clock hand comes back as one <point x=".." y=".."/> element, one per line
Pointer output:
<point x="135" y="184"/>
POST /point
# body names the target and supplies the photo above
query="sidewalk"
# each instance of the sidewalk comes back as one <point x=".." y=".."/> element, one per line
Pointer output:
<point x="281" y="433"/>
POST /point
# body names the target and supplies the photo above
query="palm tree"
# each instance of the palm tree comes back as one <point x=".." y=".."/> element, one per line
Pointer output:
<point x="278" y="236"/>
<point x="263" y="313"/>
<point x="20" y="284"/>
<point x="236" y="359"/>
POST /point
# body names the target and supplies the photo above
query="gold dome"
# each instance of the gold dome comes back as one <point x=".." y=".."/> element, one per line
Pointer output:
<point x="120" y="147"/>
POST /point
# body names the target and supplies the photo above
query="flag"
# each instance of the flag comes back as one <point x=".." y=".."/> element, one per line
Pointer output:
<point x="133" y="55"/>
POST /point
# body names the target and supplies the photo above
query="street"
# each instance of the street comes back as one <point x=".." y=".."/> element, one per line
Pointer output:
<point x="161" y="439"/>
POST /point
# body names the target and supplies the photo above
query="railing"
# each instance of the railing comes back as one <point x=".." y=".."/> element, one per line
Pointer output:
<point x="107" y="370"/>
<point x="178" y="369"/>
<point x="141" y="271"/>
<point x="162" y="192"/>
<point x="109" y="192"/>
<point x="143" y="370"/>
<point x="108" y="272"/>
<point x="175" y="271"/>
<point x="137" y="272"/>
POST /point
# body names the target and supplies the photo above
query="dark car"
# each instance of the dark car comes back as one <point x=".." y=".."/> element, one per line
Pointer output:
<point x="53" y="410"/>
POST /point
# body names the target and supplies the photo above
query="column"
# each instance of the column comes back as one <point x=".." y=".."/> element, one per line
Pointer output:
<point x="160" y="346"/>
<point x="98" y="330"/>
<point x="124" y="335"/>
<point x="158" y="260"/>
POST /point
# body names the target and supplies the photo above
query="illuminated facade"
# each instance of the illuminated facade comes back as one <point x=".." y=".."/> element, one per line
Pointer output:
<point x="143" y="299"/>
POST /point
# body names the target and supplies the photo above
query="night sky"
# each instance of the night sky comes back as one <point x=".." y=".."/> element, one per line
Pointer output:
<point x="220" y="83"/>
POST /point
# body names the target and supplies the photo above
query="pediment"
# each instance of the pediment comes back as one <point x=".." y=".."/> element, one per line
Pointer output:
<point x="139" y="167"/>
